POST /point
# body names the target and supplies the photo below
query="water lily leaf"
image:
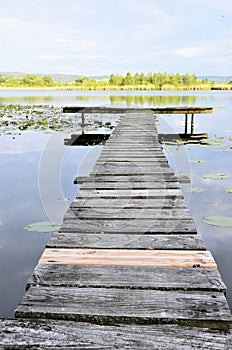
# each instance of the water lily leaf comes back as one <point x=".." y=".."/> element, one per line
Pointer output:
<point x="43" y="226"/>
<point x="229" y="190"/>
<point x="197" y="160"/>
<point x="195" y="189"/>
<point x="216" y="176"/>
<point x="215" y="140"/>
<point x="224" y="221"/>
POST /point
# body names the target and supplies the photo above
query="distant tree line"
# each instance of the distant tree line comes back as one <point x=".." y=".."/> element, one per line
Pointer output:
<point x="28" y="80"/>
<point x="151" y="80"/>
<point x="157" y="80"/>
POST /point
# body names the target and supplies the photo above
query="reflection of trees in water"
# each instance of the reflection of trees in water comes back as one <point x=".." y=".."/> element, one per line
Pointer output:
<point x="155" y="100"/>
<point x="27" y="99"/>
<point x="139" y="100"/>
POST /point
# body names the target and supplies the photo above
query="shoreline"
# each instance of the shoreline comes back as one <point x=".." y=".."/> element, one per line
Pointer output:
<point x="124" y="88"/>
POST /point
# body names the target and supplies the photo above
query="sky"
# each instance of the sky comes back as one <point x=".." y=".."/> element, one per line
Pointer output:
<point x="100" y="37"/>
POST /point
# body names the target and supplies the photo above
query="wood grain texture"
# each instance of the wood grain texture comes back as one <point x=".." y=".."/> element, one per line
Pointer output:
<point x="149" y="226"/>
<point x="126" y="241"/>
<point x="132" y="179"/>
<point x="127" y="203"/>
<point x="65" y="335"/>
<point x="124" y="214"/>
<point x="129" y="257"/>
<point x="113" y="305"/>
<point x="128" y="185"/>
<point x="144" y="193"/>
<point x="131" y="277"/>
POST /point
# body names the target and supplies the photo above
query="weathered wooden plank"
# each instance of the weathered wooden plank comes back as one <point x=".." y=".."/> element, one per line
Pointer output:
<point x="135" y="139"/>
<point x="125" y="241"/>
<point x="127" y="203"/>
<point x="130" y="157"/>
<point x="113" y="306"/>
<point x="106" y="168"/>
<point x="131" y="172"/>
<point x="149" y="193"/>
<point x="128" y="185"/>
<point x="111" y="147"/>
<point x="155" y="110"/>
<point x="130" y="226"/>
<point x="143" y="140"/>
<point x="127" y="178"/>
<point x="131" y="277"/>
<point x="53" y="334"/>
<point x="124" y="214"/>
<point x="139" y="131"/>
<point x="134" y="164"/>
<point x="138" y="178"/>
<point x="132" y="152"/>
<point x="122" y="159"/>
<point x="129" y="257"/>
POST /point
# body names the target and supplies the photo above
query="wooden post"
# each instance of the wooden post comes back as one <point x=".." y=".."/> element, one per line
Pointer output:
<point x="192" y="123"/>
<point x="82" y="122"/>
<point x="186" y="123"/>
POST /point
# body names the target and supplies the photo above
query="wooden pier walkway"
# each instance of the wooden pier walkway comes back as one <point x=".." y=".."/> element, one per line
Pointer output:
<point x="127" y="270"/>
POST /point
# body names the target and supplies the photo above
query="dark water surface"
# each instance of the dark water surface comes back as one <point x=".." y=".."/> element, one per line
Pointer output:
<point x="37" y="172"/>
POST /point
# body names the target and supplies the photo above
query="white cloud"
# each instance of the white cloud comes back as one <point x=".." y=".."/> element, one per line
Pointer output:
<point x="89" y="36"/>
<point x="51" y="57"/>
<point x="190" y="52"/>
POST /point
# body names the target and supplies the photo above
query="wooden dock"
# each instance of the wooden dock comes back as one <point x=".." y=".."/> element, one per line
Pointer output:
<point x="127" y="269"/>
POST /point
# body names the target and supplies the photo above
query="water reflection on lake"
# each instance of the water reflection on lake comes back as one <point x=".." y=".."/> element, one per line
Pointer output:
<point x="37" y="172"/>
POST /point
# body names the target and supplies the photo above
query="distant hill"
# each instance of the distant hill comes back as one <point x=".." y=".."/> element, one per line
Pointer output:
<point x="60" y="78"/>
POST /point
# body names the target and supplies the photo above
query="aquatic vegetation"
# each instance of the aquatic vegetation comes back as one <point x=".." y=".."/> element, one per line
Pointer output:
<point x="216" y="144"/>
<point x="17" y="118"/>
<point x="194" y="189"/>
<point x="216" y="176"/>
<point x="197" y="160"/>
<point x="223" y="221"/>
<point x="43" y="226"/>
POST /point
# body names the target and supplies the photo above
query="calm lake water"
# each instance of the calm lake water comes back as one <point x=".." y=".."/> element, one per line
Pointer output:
<point x="37" y="172"/>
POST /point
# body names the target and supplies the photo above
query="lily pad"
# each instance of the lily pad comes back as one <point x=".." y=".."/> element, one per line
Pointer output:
<point x="43" y="226"/>
<point x="229" y="190"/>
<point x="223" y="221"/>
<point x="216" y="176"/>
<point x="197" y="160"/>
<point x="195" y="189"/>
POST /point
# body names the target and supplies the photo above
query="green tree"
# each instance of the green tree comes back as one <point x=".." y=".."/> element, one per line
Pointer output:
<point x="136" y="78"/>
<point x="81" y="80"/>
<point x="48" y="81"/>
<point x="128" y="80"/>
<point x="29" y="80"/>
<point x="142" y="79"/>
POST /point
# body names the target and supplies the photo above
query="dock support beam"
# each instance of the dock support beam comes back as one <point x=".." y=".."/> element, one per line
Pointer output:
<point x="186" y="124"/>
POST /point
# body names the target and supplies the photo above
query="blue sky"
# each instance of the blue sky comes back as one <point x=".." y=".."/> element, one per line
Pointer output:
<point x="98" y="37"/>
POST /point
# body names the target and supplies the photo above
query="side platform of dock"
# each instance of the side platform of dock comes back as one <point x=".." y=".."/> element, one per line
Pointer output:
<point x="127" y="269"/>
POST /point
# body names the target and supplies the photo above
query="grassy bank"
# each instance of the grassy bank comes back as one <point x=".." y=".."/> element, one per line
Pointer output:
<point x="126" y="87"/>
